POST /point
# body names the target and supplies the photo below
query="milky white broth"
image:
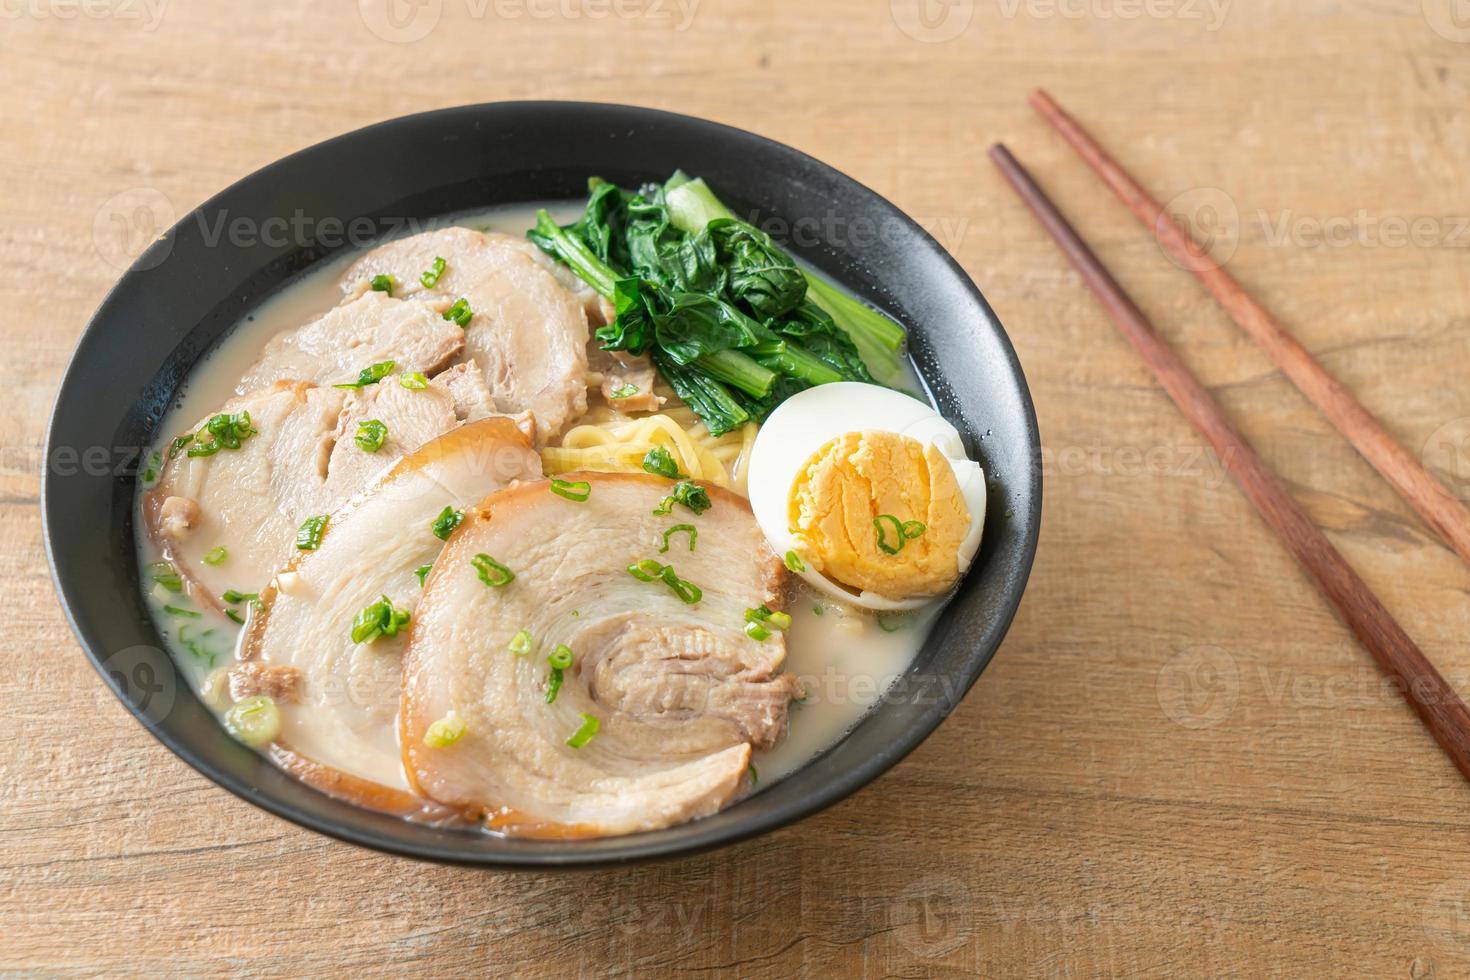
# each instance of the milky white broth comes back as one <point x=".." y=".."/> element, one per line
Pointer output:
<point x="845" y="658"/>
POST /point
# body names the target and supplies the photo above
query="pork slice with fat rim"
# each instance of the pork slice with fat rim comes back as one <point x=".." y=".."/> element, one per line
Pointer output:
<point x="680" y="692"/>
<point x="526" y="332"/>
<point x="340" y="732"/>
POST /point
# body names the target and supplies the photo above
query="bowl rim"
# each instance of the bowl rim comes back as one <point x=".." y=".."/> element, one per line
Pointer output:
<point x="633" y="847"/>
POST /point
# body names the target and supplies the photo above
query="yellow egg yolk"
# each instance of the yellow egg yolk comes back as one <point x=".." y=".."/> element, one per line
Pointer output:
<point x="864" y="483"/>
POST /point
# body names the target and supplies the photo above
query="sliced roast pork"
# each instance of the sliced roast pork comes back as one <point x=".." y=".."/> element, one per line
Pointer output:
<point x="244" y="499"/>
<point x="679" y="691"/>
<point x="625" y="380"/>
<point x="369" y="329"/>
<point x="340" y="731"/>
<point x="526" y="332"/>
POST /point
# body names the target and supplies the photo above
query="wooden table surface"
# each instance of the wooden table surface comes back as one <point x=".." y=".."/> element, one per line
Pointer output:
<point x="1179" y="763"/>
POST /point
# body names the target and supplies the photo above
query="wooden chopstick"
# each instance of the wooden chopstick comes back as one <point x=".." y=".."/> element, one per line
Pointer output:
<point x="1427" y="692"/>
<point x="1439" y="508"/>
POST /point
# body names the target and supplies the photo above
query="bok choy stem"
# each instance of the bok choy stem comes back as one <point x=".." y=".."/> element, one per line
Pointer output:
<point x="745" y="373"/>
<point x="588" y="267"/>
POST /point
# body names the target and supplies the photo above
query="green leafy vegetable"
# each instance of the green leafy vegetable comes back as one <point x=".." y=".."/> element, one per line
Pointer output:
<point x="370" y="435"/>
<point x="378" y="619"/>
<point x="370" y="375"/>
<point x="309" y="535"/>
<point x="660" y="462"/>
<point x="691" y="495"/>
<point x="446" y="522"/>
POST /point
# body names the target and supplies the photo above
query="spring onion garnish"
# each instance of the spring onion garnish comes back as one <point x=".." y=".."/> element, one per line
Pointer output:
<point x="624" y="391"/>
<point x="912" y="529"/>
<point x="755" y="776"/>
<point x="414" y="381"/>
<point x="225" y="432"/>
<point x="216" y="556"/>
<point x="378" y="619"/>
<point x="648" y="570"/>
<point x="431" y="275"/>
<point x="309" y="535"/>
<point x="370" y="375"/>
<point x="762" y="614"/>
<point x="460" y="312"/>
<point x="693" y="536"/>
<point x="660" y="462"/>
<point x="383" y="284"/>
<point x="819" y="609"/>
<point x="691" y="495"/>
<point x="520" y="644"/>
<point x="423" y="572"/>
<point x="176" y="611"/>
<point x="583" y="735"/>
<point x="256" y="721"/>
<point x="445" y="732"/>
<point x="235" y="617"/>
<point x="883" y="543"/>
<point x="370" y="435"/>
<point x="155" y="463"/>
<point x="891" y="624"/>
<point x="235" y="598"/>
<point x="165" y="574"/>
<point x="757" y="632"/>
<point x="446" y="522"/>
<point x="179" y="443"/>
<point x="553" y="685"/>
<point x="560" y="657"/>
<point x="195" y="645"/>
<point x="794" y="562"/>
<point x="578" y="490"/>
<point x="491" y="572"/>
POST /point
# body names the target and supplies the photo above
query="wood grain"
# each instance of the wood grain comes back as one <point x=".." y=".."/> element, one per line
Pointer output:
<point x="1180" y="763"/>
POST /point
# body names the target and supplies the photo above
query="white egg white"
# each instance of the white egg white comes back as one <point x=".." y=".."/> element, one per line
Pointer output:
<point x="809" y="420"/>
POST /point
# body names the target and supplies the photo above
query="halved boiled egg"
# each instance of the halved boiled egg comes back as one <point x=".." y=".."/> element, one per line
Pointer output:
<point x="869" y="494"/>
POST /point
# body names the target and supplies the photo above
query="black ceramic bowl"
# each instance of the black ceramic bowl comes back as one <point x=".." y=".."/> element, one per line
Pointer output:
<point x="185" y="291"/>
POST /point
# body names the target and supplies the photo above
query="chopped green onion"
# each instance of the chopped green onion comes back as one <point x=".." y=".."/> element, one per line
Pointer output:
<point x="179" y="443"/>
<point x="560" y="657"/>
<point x="378" y="619"/>
<point x="414" y="381"/>
<point x="763" y="614"/>
<point x="883" y="545"/>
<point x="755" y="777"/>
<point x="422" y="572"/>
<point x="196" y="646"/>
<point x="624" y="391"/>
<point x="309" y="535"/>
<point x="912" y="529"/>
<point x="175" y="610"/>
<point x="234" y="616"/>
<point x="370" y="375"/>
<point x="445" y="732"/>
<point x="757" y="632"/>
<point x="165" y="574"/>
<point x="430" y="277"/>
<point x="520" y="644"/>
<point x="691" y="495"/>
<point x="460" y="312"/>
<point x="233" y="597"/>
<point x="491" y="572"/>
<point x="256" y="721"/>
<point x="553" y="684"/>
<point x="660" y="462"/>
<point x="446" y="522"/>
<point x="370" y="435"/>
<point x="899" y="621"/>
<point x="383" y="284"/>
<point x="794" y="562"/>
<point x="155" y="463"/>
<point x="216" y="556"/>
<point x="584" y="734"/>
<point x="818" y="608"/>
<point x="693" y="536"/>
<point x="577" y="490"/>
<point x="225" y="431"/>
<point x="646" y="570"/>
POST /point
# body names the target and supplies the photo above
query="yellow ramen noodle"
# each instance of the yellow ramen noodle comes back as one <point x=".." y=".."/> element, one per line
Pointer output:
<point x="617" y="444"/>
